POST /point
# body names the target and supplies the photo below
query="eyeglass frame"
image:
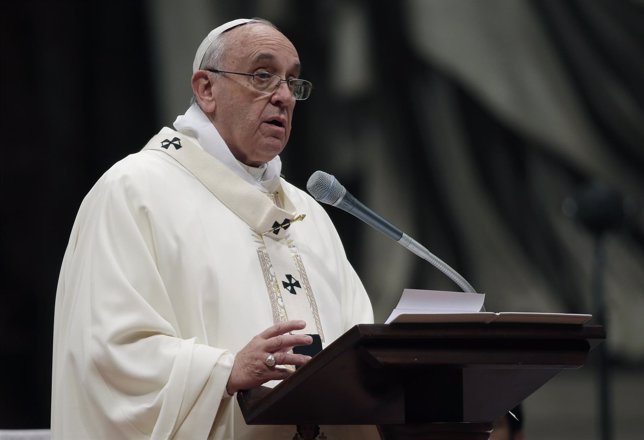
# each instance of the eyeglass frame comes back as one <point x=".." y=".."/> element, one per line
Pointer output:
<point x="288" y="81"/>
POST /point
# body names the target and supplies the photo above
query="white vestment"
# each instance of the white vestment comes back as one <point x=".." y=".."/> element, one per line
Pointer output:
<point x="163" y="282"/>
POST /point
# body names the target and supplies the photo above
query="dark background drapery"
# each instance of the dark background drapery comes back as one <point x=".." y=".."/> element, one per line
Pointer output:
<point x="474" y="126"/>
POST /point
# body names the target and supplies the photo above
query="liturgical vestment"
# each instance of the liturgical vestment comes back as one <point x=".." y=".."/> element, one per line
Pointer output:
<point x="167" y="275"/>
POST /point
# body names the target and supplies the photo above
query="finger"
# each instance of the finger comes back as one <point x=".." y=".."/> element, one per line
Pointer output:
<point x="282" y="327"/>
<point x="278" y="374"/>
<point x="287" y="342"/>
<point x="291" y="359"/>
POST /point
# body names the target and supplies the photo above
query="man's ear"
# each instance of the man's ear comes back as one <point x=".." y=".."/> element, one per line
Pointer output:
<point x="203" y="91"/>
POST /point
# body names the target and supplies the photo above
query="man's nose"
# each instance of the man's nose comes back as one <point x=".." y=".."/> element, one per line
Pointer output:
<point x="282" y="94"/>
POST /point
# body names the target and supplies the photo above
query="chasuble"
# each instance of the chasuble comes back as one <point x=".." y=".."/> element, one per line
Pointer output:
<point x="174" y="263"/>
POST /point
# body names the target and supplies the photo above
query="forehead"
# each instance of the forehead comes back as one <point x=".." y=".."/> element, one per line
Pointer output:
<point x="257" y="43"/>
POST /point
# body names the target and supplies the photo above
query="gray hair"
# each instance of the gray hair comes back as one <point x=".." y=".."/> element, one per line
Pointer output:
<point x="214" y="56"/>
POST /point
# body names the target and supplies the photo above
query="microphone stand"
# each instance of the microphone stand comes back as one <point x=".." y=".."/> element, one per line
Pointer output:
<point x="599" y="311"/>
<point x="600" y="209"/>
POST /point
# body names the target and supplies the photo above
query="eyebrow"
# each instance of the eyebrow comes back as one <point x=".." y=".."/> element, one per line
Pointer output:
<point x="265" y="56"/>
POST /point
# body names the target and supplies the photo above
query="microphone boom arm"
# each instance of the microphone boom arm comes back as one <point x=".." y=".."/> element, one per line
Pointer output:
<point x="412" y="245"/>
<point x="355" y="207"/>
<point x="326" y="189"/>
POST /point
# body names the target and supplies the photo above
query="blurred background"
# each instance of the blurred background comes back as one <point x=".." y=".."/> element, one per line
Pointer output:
<point x="505" y="135"/>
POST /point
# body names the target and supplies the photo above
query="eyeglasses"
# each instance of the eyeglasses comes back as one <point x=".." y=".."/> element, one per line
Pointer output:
<point x="268" y="82"/>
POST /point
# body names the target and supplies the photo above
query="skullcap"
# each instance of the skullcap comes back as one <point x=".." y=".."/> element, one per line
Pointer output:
<point x="205" y="44"/>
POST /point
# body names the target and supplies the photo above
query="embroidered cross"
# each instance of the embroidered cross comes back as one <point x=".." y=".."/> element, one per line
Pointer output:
<point x="175" y="142"/>
<point x="291" y="284"/>
<point x="275" y="228"/>
<point x="284" y="225"/>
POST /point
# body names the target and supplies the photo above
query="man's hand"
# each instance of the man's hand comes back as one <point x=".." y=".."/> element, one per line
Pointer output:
<point x="250" y="369"/>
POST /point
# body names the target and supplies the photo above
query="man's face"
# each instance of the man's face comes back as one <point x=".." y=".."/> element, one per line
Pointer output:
<point x="255" y="125"/>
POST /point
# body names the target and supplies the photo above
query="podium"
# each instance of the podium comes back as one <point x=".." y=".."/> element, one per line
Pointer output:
<point x="443" y="380"/>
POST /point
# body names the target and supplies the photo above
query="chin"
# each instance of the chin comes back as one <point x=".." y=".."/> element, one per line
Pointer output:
<point x="268" y="151"/>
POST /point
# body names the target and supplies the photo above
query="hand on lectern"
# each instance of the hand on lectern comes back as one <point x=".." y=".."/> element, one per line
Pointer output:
<point x="259" y="361"/>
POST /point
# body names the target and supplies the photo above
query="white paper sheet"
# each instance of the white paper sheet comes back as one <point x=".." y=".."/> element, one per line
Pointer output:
<point x="416" y="306"/>
<point x="418" y="302"/>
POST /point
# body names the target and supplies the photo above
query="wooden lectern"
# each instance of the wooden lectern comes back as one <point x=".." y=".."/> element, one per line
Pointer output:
<point x="443" y="380"/>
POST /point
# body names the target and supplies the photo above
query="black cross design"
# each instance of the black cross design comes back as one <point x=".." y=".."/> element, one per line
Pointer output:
<point x="284" y="225"/>
<point x="175" y="142"/>
<point x="291" y="284"/>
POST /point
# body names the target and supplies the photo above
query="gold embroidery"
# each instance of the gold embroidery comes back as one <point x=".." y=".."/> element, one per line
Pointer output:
<point x="273" y="286"/>
<point x="307" y="287"/>
<point x="276" y="199"/>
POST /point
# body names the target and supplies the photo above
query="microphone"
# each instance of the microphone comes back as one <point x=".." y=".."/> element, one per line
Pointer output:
<point x="325" y="188"/>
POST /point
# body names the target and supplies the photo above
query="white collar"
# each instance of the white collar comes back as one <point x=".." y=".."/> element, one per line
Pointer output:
<point x="196" y="124"/>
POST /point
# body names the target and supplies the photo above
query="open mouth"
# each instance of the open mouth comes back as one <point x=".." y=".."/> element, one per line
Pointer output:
<point x="276" y="122"/>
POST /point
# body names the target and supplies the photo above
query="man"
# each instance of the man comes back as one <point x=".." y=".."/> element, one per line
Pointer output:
<point x="193" y="269"/>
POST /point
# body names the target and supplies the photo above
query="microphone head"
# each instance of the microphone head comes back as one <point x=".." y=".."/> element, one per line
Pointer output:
<point x="325" y="188"/>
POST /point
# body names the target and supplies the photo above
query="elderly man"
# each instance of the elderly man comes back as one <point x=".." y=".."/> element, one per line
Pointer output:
<point x="193" y="269"/>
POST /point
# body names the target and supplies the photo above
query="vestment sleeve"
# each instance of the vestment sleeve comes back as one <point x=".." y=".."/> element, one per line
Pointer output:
<point x="117" y="329"/>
